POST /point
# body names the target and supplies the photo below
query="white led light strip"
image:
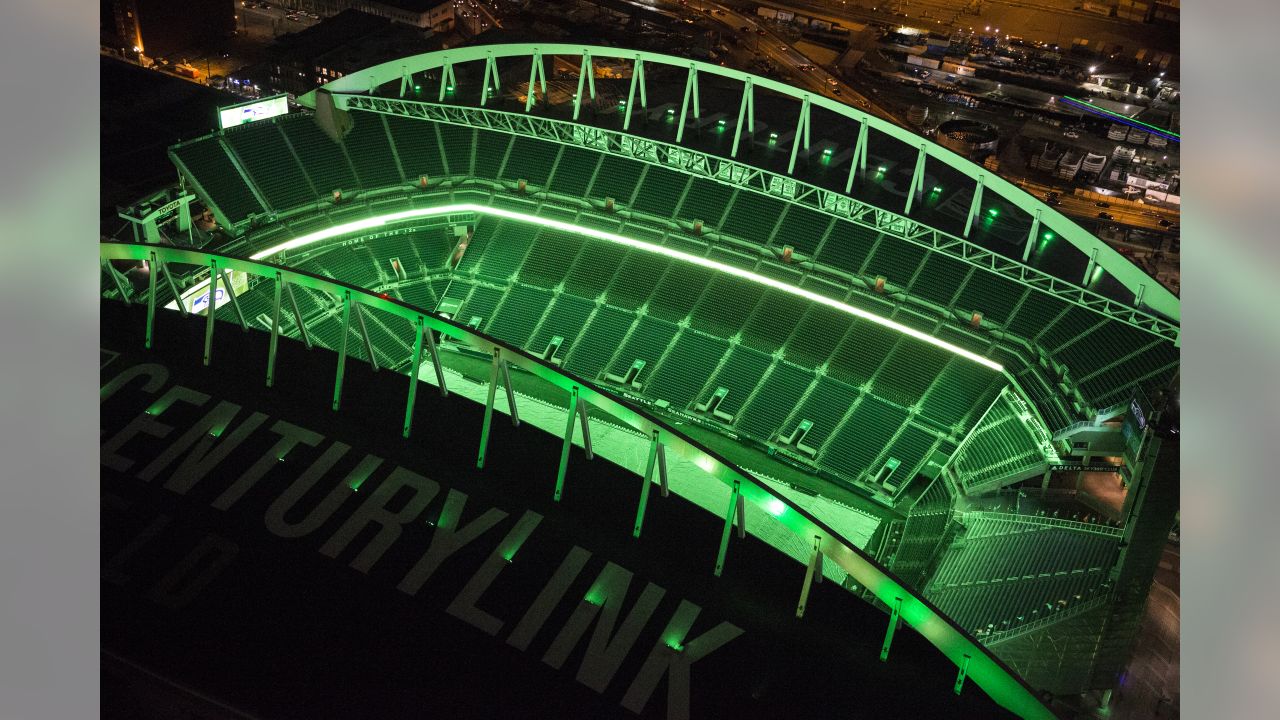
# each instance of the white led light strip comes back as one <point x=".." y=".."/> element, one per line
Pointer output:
<point x="381" y="220"/>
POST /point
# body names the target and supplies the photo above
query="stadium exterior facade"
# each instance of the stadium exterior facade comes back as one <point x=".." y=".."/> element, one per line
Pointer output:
<point x="711" y="281"/>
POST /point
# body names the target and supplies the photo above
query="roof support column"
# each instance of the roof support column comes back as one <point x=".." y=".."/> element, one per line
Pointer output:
<point x="662" y="470"/>
<point x="435" y="361"/>
<point x="536" y="72"/>
<point x="275" y="329"/>
<point x="814" y="571"/>
<point x="690" y="88"/>
<point x="741" y="515"/>
<point x="802" y="129"/>
<point x="654" y="444"/>
<point x="488" y="406"/>
<point x="964" y="670"/>
<point x="152" y="269"/>
<point x="490" y="70"/>
<point x="697" y="106"/>
<point x="859" y="162"/>
<point x="586" y="74"/>
<point x="728" y="525"/>
<point x="895" y="615"/>
<point x="917" y="180"/>
<point x="637" y="78"/>
<point x="1088" y="269"/>
<point x="118" y="280"/>
<point x="1031" y="236"/>
<point x="447" y="78"/>
<point x="213" y="297"/>
<point x="511" y="393"/>
<point x="297" y="316"/>
<point x="568" y="442"/>
<point x="342" y="347"/>
<point x="975" y="206"/>
<point x="586" y="430"/>
<point x="235" y="304"/>
<point x="364" y="333"/>
<point x="742" y="111"/>
<point x="173" y="288"/>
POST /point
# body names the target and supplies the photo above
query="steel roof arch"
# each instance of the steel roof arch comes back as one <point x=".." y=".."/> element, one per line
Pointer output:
<point x="1147" y="291"/>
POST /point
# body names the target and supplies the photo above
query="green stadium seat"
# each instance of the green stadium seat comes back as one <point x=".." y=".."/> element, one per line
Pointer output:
<point x="418" y="146"/>
<point x="685" y="369"/>
<point x="324" y="160"/>
<point x="369" y="148"/>
<point x="518" y="314"/>
<point x="213" y="171"/>
<point x="574" y="172"/>
<point x="267" y="159"/>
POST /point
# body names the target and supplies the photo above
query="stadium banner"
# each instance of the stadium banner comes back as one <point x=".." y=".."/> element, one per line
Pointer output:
<point x="1086" y="467"/>
<point x="196" y="298"/>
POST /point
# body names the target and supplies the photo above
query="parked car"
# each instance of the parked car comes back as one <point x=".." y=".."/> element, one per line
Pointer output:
<point x="1165" y="223"/>
<point x="1102" y="204"/>
<point x="1104" y="215"/>
<point x="1071" y="134"/>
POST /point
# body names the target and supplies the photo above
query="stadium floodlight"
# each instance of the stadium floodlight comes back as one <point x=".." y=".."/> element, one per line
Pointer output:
<point x="403" y="215"/>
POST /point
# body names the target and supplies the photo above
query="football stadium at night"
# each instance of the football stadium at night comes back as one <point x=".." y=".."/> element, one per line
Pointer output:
<point x="727" y="399"/>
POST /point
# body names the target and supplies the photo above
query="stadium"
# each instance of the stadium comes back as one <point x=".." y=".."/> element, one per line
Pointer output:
<point x="947" y="410"/>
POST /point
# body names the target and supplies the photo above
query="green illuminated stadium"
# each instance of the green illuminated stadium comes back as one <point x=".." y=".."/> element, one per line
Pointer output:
<point x="739" y="273"/>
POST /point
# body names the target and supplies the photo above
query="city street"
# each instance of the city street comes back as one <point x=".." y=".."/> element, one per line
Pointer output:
<point x="772" y="47"/>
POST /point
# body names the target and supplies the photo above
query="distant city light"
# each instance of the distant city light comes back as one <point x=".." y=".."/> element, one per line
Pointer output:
<point x="1093" y="68"/>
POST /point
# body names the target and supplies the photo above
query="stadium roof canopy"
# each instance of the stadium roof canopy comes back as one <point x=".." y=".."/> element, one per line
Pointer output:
<point x="465" y="88"/>
<point x="1147" y="301"/>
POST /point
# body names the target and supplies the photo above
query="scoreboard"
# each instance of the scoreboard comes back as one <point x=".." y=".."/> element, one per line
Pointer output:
<point x="250" y="111"/>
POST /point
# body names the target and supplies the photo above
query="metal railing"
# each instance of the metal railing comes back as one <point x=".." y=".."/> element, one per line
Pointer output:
<point x="1084" y="606"/>
<point x="972" y="659"/>
<point x="1041" y="521"/>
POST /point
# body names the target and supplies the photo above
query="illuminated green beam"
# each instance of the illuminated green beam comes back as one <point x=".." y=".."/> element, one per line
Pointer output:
<point x="389" y="218"/>
<point x="1124" y="117"/>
